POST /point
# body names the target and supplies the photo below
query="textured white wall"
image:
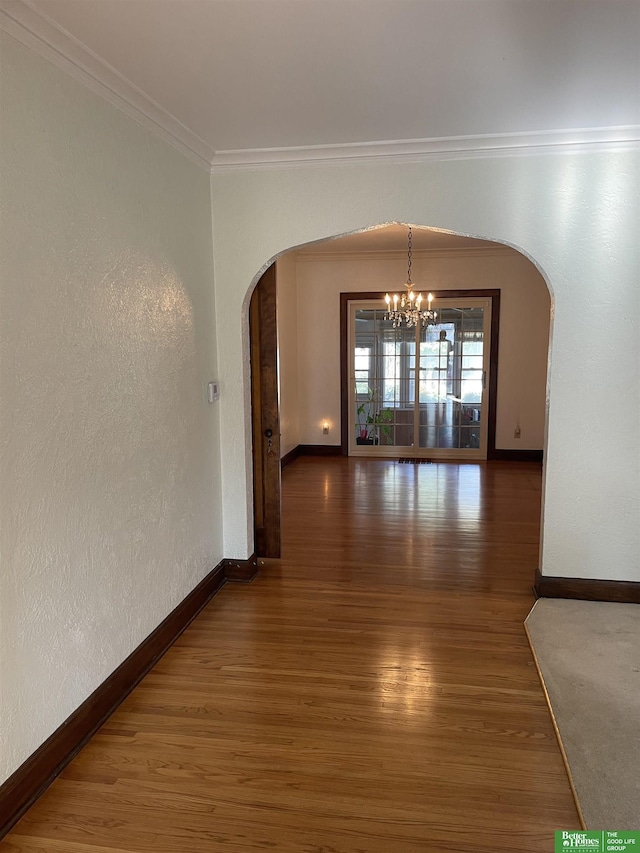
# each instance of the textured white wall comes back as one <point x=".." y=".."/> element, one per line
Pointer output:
<point x="524" y="332"/>
<point x="110" y="470"/>
<point x="287" y="303"/>
<point x="576" y="214"/>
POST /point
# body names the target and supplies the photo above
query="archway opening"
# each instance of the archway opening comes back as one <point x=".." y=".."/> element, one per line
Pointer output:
<point x="310" y="282"/>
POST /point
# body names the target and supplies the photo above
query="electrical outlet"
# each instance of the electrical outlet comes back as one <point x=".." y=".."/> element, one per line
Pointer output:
<point x="516" y="432"/>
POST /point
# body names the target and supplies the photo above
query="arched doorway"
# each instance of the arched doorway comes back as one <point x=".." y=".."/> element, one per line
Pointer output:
<point x="310" y="283"/>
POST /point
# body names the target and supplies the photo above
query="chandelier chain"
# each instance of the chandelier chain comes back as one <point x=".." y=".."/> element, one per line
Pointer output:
<point x="409" y="254"/>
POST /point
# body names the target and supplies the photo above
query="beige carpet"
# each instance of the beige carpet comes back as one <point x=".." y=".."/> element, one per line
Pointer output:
<point x="589" y="655"/>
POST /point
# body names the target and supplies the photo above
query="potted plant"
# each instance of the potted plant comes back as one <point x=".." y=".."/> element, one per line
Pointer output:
<point x="373" y="421"/>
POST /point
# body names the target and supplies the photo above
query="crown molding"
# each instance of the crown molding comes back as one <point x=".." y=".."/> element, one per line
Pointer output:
<point x="401" y="254"/>
<point x="45" y="37"/>
<point x="441" y="148"/>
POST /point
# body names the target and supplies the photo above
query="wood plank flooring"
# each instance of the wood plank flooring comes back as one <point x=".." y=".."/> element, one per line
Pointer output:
<point x="372" y="693"/>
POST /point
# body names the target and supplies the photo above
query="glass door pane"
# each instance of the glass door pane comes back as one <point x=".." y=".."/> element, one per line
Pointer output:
<point x="384" y="380"/>
<point x="452" y="373"/>
<point x="420" y="391"/>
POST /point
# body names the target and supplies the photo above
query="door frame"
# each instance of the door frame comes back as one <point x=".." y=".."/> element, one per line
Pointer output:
<point x="345" y="361"/>
<point x="265" y="416"/>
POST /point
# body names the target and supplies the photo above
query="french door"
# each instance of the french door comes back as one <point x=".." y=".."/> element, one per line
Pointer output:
<point x="420" y="392"/>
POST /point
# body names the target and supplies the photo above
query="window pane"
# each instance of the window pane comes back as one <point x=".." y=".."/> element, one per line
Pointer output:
<point x="362" y="364"/>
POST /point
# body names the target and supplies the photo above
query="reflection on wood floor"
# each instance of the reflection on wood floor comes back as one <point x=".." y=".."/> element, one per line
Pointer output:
<point x="373" y="693"/>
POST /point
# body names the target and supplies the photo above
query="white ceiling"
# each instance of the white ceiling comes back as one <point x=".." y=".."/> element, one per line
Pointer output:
<point x="252" y="74"/>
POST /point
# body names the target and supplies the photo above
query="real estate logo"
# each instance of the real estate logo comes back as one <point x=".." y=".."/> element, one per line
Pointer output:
<point x="602" y="841"/>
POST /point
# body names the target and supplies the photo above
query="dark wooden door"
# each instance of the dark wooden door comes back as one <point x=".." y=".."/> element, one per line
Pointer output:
<point x="265" y="418"/>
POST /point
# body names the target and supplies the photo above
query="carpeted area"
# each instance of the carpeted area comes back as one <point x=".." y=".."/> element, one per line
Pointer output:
<point x="588" y="653"/>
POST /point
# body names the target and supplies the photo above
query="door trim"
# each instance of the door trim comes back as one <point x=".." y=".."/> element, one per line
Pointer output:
<point x="265" y="416"/>
<point x="493" y="295"/>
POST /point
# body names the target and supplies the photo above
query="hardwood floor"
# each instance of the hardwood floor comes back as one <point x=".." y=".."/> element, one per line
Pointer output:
<point x="372" y="693"/>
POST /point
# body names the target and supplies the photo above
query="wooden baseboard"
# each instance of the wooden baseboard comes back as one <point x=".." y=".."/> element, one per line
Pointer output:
<point x="320" y="450"/>
<point x="516" y="455"/>
<point x="586" y="589"/>
<point x="310" y="450"/>
<point x="336" y="450"/>
<point x="33" y="777"/>
<point x="290" y="457"/>
<point x="241" y="571"/>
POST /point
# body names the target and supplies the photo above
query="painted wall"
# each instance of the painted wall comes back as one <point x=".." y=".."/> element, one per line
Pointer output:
<point x="288" y="356"/>
<point x="110" y="495"/>
<point x="575" y="213"/>
<point x="524" y="331"/>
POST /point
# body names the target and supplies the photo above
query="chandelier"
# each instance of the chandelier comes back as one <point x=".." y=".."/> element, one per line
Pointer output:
<point x="407" y="308"/>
